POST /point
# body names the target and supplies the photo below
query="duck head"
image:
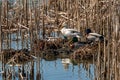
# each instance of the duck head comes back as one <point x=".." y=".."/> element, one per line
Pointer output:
<point x="74" y="40"/>
<point x="87" y="31"/>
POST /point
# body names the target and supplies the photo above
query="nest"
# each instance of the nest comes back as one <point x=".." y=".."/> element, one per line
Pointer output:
<point x="87" y="51"/>
<point x="45" y="45"/>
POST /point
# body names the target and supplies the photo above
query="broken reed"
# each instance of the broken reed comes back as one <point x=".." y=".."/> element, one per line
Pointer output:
<point x="44" y="17"/>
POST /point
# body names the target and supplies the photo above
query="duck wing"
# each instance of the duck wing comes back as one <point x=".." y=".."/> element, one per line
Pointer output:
<point x="71" y="32"/>
<point x="95" y="34"/>
<point x="91" y="38"/>
<point x="95" y="37"/>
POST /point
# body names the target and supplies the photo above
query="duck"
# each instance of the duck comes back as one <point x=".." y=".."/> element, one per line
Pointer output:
<point x="70" y="32"/>
<point x="93" y="37"/>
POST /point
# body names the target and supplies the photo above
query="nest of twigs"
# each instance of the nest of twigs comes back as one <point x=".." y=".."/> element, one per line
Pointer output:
<point x="87" y="51"/>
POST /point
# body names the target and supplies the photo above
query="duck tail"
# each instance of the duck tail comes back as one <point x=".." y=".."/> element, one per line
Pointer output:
<point x="101" y="38"/>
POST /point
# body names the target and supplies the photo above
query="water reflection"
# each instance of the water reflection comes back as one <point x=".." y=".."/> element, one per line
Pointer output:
<point x="63" y="69"/>
<point x="66" y="62"/>
<point x="60" y="69"/>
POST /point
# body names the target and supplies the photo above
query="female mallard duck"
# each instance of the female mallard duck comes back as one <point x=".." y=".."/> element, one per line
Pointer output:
<point x="92" y="37"/>
<point x="70" y="33"/>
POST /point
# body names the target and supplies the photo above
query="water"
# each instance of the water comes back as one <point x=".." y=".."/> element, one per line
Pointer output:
<point x="56" y="69"/>
<point x="53" y="70"/>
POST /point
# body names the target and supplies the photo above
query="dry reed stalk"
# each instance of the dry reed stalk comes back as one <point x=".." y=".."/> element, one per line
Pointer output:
<point x="108" y="52"/>
<point x="32" y="70"/>
<point x="26" y="18"/>
<point x="0" y="29"/>
<point x="31" y="28"/>
<point x="116" y="38"/>
<point x="22" y="40"/>
<point x="43" y="20"/>
<point x="38" y="76"/>
<point x="6" y="13"/>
